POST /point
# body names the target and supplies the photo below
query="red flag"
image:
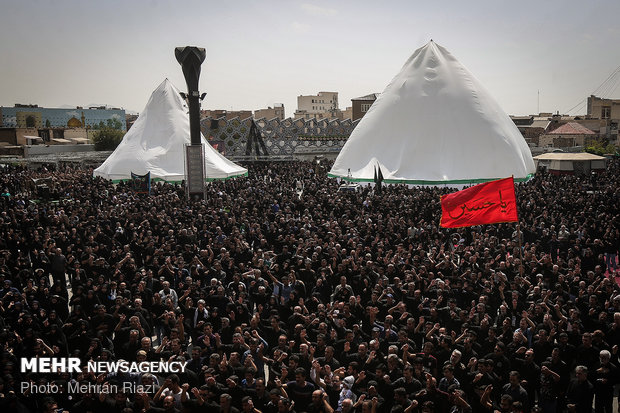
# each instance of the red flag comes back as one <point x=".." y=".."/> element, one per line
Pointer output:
<point x="487" y="203"/>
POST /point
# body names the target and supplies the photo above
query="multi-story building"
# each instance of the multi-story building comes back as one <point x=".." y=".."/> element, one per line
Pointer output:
<point x="322" y="105"/>
<point x="270" y="113"/>
<point x="361" y="105"/>
<point x="608" y="111"/>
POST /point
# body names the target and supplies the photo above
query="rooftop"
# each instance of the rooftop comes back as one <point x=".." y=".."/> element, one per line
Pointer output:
<point x="563" y="156"/>
<point x="571" y="128"/>
<point x="372" y="96"/>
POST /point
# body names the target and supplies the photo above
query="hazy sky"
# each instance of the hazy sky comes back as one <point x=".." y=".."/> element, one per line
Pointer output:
<point x="116" y="52"/>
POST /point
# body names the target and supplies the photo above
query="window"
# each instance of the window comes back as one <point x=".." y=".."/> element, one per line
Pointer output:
<point x="365" y="107"/>
<point x="606" y="112"/>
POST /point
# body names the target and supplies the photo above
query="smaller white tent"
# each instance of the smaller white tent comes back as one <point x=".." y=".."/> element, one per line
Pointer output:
<point x="156" y="144"/>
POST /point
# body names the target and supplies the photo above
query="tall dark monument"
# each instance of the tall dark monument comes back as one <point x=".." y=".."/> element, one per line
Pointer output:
<point x="191" y="59"/>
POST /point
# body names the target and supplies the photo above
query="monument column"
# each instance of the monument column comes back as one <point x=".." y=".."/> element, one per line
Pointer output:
<point x="191" y="59"/>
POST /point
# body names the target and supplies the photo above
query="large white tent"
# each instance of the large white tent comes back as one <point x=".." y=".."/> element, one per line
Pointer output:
<point x="156" y="143"/>
<point x="434" y="124"/>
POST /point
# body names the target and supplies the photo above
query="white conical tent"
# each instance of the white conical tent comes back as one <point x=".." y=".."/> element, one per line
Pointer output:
<point x="434" y="124"/>
<point x="156" y="143"/>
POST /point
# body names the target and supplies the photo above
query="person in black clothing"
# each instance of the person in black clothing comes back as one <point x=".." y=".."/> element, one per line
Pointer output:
<point x="529" y="372"/>
<point x="605" y="376"/>
<point x="516" y="392"/>
<point x="580" y="392"/>
<point x="252" y="229"/>
<point x="300" y="390"/>
<point x="320" y="403"/>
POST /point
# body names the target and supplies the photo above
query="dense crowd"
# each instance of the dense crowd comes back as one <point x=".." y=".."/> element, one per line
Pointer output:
<point x="284" y="294"/>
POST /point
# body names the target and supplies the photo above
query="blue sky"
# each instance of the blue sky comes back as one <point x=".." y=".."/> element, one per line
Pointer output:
<point x="71" y="52"/>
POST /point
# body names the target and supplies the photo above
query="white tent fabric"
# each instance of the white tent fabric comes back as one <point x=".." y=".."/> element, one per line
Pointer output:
<point x="156" y="143"/>
<point x="434" y="124"/>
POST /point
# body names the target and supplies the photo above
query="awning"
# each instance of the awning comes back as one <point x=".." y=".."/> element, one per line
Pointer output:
<point x="569" y="156"/>
<point x="34" y="138"/>
<point x="80" y="139"/>
<point x="61" y="140"/>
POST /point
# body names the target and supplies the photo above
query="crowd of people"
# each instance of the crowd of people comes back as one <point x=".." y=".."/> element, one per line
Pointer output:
<point x="285" y="294"/>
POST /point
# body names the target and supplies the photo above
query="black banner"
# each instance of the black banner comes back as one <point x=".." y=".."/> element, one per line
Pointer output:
<point x="141" y="183"/>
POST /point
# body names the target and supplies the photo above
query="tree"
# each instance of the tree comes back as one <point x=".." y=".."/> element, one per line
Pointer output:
<point x="111" y="123"/>
<point x="600" y="147"/>
<point x="114" y="123"/>
<point x="107" y="139"/>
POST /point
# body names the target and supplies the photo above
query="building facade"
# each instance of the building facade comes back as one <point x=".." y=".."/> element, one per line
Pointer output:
<point x="361" y="105"/>
<point x="16" y="136"/>
<point x="546" y="130"/>
<point x="130" y="120"/>
<point x="608" y="111"/>
<point x="347" y="113"/>
<point x="567" y="135"/>
<point x="319" y="106"/>
<point x="600" y="108"/>
<point x="532" y="127"/>
<point x="33" y="116"/>
<point x="270" y="113"/>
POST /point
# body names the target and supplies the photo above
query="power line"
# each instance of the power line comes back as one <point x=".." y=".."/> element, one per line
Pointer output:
<point x="610" y="86"/>
<point x="614" y="73"/>
<point x="605" y="89"/>
<point x="579" y="104"/>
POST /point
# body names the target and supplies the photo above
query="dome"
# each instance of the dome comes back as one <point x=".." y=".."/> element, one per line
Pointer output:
<point x="74" y="123"/>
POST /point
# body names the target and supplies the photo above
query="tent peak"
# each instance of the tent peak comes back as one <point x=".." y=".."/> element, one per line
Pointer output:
<point x="166" y="83"/>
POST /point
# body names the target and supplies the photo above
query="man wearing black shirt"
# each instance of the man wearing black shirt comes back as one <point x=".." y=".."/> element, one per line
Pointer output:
<point x="580" y="392"/>
<point x="300" y="390"/>
<point x="319" y="403"/>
